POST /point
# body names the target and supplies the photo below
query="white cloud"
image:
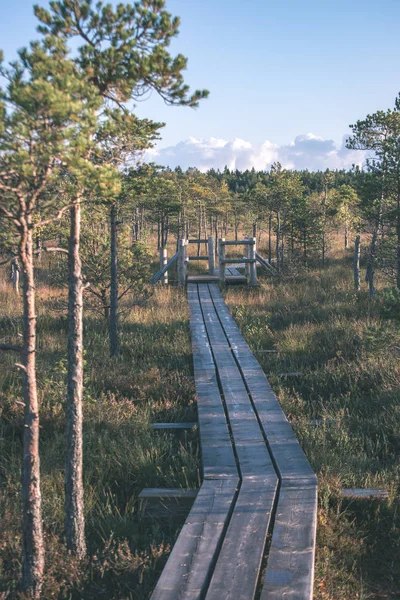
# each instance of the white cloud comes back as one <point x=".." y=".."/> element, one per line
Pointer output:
<point x="306" y="151"/>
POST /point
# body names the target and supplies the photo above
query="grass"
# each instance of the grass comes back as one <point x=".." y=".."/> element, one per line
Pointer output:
<point x="349" y="358"/>
<point x="348" y="352"/>
<point x="151" y="382"/>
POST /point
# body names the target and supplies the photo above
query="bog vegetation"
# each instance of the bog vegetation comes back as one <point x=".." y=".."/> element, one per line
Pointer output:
<point x="98" y="353"/>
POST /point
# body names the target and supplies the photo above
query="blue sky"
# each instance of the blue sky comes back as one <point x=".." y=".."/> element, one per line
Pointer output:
<point x="275" y="71"/>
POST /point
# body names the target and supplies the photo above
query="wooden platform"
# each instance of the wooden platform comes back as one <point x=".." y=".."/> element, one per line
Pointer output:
<point x="256" y="478"/>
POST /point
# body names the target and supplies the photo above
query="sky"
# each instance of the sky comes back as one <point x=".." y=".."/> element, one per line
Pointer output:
<point x="285" y="78"/>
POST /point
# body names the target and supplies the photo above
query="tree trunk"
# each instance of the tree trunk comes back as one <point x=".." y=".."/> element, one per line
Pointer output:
<point x="278" y="232"/>
<point x="346" y="237"/>
<point x="369" y="276"/>
<point x="357" y="264"/>
<point x="74" y="515"/>
<point x="32" y="534"/>
<point x="305" y="246"/>
<point x="255" y="229"/>
<point x="114" y="324"/>
<point x="398" y="241"/>
<point x="270" y="238"/>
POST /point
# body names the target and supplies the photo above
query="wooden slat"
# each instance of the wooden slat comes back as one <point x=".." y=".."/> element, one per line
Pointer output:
<point x="158" y="275"/>
<point x="191" y="562"/>
<point x="237" y="261"/>
<point x="218" y="459"/>
<point x="362" y="493"/>
<point x="290" y="566"/>
<point x="289" y="458"/>
<point x="290" y="563"/>
<point x="237" y="243"/>
<point x="202" y="278"/>
<point x="237" y="570"/>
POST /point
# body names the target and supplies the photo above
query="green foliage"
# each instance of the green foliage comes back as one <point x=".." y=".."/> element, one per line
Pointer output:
<point x="389" y="302"/>
<point x="124" y="50"/>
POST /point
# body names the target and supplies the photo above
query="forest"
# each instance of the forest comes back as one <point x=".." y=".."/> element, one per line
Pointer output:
<point x="92" y="353"/>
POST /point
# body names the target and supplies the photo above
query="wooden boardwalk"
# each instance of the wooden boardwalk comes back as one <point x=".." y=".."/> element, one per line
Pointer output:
<point x="251" y="530"/>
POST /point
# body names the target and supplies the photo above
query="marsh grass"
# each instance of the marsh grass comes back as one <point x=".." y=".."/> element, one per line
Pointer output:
<point x="151" y="382"/>
<point x="348" y="353"/>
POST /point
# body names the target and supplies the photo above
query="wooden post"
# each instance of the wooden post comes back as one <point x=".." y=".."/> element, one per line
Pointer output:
<point x="357" y="264"/>
<point x="252" y="266"/>
<point x="211" y="255"/>
<point x="182" y="262"/>
<point x="246" y="265"/>
<point x="163" y="262"/>
<point x="221" y="258"/>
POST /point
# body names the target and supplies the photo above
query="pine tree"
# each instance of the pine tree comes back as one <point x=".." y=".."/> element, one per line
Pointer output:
<point x="124" y="54"/>
<point x="47" y="114"/>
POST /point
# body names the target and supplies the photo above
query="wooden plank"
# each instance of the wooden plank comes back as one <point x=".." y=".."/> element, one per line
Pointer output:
<point x="364" y="493"/>
<point x="192" y="258"/>
<point x="211" y="255"/>
<point x="202" y="278"/>
<point x="266" y="264"/>
<point x="290" y="566"/>
<point x="158" y="275"/>
<point x="237" y="261"/>
<point x="173" y="426"/>
<point x="166" y="502"/>
<point x="289" y="458"/>
<point x="233" y="271"/>
<point x="237" y="569"/>
<point x="249" y="441"/>
<point x="218" y="459"/>
<point x="190" y="564"/>
<point x="238" y="566"/>
<point x="248" y="242"/>
<point x="197" y="241"/>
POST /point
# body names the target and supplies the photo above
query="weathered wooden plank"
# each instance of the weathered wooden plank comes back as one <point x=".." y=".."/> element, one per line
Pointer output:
<point x="289" y="458"/>
<point x="218" y="459"/>
<point x="160" y="273"/>
<point x="189" y="567"/>
<point x="237" y="261"/>
<point x="361" y="493"/>
<point x="248" y="242"/>
<point x="249" y="442"/>
<point x="166" y="502"/>
<point x="192" y="258"/>
<point x="233" y="271"/>
<point x="202" y="278"/>
<point x="291" y="559"/>
<point x="238" y="566"/>
<point x="290" y="566"/>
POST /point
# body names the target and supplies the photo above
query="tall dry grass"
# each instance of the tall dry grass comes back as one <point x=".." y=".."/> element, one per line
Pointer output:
<point x="151" y="382"/>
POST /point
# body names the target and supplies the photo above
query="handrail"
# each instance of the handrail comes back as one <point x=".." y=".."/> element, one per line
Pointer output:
<point x="158" y="275"/>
